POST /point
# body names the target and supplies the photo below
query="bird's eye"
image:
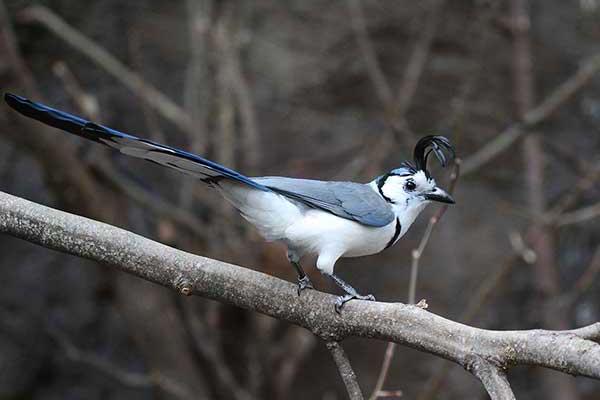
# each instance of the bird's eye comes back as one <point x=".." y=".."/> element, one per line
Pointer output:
<point x="410" y="185"/>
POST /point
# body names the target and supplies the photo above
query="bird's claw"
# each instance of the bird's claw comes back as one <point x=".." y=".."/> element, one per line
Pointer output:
<point x="304" y="283"/>
<point x="368" y="297"/>
<point x="342" y="300"/>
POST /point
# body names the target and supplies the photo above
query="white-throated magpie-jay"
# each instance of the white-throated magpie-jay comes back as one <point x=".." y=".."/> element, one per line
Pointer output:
<point x="329" y="219"/>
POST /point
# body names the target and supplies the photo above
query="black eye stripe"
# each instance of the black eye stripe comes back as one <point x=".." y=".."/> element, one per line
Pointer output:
<point x="380" y="184"/>
<point x="410" y="185"/>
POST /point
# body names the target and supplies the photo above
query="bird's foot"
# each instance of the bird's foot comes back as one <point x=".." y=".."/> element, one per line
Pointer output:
<point x="304" y="283"/>
<point x="340" y="301"/>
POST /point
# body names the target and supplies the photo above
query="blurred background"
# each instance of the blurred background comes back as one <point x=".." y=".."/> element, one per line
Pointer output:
<point x="317" y="89"/>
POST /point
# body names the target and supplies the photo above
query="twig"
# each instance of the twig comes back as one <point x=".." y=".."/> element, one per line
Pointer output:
<point x="493" y="282"/>
<point x="586" y="279"/>
<point x="12" y="51"/>
<point x="382" y="90"/>
<point x="204" y="341"/>
<point x="545" y="279"/>
<point x="478" y="28"/>
<point x="521" y="249"/>
<point x="486" y="289"/>
<point x="198" y="87"/>
<point x="489" y="285"/>
<point x="545" y="275"/>
<point x="156" y="203"/>
<point x="374" y="72"/>
<point x="259" y="331"/>
<point x="394" y="106"/>
<point x="127" y="378"/>
<point x="346" y="372"/>
<point x="418" y="252"/>
<point x="474" y="307"/>
<point x="226" y="107"/>
<point x="225" y="148"/>
<point x="145" y="91"/>
<point x="87" y="196"/>
<point x="250" y="133"/>
<point x="414" y="271"/>
<point x="295" y="347"/>
<point x="571" y="351"/>
<point x="493" y="379"/>
<point x="135" y="38"/>
<point x="584" y="183"/>
<point x="383" y="371"/>
<point x="76" y="187"/>
<point x="86" y="102"/>
<point x="390" y="394"/>
<point x="416" y="64"/>
<point x="126" y="186"/>
<point x="197" y="94"/>
<point x="563" y="93"/>
<point x="416" y="258"/>
<point x="580" y="215"/>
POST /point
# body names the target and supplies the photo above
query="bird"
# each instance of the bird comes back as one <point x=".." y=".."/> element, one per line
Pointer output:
<point x="329" y="219"/>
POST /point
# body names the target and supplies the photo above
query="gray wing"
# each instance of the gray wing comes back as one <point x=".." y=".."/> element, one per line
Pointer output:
<point x="354" y="201"/>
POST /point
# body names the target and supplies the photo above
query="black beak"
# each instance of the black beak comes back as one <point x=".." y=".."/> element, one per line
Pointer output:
<point x="439" y="195"/>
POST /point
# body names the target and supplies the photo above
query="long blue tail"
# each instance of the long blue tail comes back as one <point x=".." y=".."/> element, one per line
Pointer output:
<point x="180" y="160"/>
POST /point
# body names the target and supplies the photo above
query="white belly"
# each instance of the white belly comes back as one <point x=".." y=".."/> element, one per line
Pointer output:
<point x="306" y="230"/>
<point x="319" y="232"/>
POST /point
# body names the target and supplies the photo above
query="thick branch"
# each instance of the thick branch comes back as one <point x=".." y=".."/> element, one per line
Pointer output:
<point x="568" y="351"/>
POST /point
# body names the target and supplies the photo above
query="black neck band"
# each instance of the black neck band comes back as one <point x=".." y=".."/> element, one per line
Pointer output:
<point x="396" y="234"/>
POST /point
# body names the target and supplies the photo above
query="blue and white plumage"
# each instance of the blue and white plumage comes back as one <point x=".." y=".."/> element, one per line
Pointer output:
<point x="329" y="219"/>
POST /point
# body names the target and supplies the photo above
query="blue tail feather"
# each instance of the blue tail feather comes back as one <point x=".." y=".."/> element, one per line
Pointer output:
<point x="128" y="144"/>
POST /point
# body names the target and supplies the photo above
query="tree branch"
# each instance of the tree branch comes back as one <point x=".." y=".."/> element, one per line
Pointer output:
<point x="374" y="71"/>
<point x="132" y="81"/>
<point x="588" y="69"/>
<point x="348" y="376"/>
<point x="571" y="352"/>
<point x="493" y="379"/>
<point x="132" y="379"/>
<point x="580" y="215"/>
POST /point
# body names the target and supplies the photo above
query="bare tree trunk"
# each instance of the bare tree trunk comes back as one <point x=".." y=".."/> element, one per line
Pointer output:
<point x="545" y="271"/>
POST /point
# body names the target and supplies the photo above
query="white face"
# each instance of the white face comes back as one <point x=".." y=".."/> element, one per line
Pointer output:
<point x="409" y="195"/>
<point x="408" y="191"/>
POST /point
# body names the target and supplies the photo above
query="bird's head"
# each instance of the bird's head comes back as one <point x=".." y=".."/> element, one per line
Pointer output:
<point x="411" y="187"/>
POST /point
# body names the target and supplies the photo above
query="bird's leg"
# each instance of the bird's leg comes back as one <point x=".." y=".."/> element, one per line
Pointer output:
<point x="303" y="279"/>
<point x="351" y="293"/>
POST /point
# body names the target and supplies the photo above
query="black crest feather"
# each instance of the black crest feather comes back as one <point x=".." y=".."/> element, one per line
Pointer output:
<point x="438" y="145"/>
